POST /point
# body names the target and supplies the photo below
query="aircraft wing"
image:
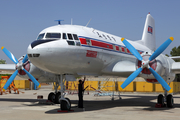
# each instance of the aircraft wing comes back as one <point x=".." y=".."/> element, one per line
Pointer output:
<point x="175" y="57"/>
<point x="121" y="68"/>
<point x="7" y="67"/>
<point x="176" y="67"/>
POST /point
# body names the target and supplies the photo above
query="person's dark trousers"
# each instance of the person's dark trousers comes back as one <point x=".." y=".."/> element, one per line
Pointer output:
<point x="80" y="103"/>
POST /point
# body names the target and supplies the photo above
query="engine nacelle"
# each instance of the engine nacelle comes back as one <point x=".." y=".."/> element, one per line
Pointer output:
<point x="40" y="75"/>
<point x="37" y="73"/>
<point x="162" y="65"/>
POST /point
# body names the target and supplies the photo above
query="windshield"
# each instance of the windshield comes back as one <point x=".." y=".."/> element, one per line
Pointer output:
<point x="40" y="36"/>
<point x="53" y="35"/>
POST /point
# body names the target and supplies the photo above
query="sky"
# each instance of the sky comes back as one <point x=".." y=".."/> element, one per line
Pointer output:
<point x="22" y="20"/>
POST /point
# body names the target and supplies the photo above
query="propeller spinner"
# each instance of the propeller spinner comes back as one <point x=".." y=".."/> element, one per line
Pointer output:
<point x="19" y="66"/>
<point x="145" y="64"/>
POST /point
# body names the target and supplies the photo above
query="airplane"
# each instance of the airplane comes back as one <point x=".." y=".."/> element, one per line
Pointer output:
<point x="63" y="52"/>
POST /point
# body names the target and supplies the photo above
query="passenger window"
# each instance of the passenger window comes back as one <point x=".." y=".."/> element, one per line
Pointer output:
<point x="88" y="41"/>
<point x="64" y="36"/>
<point x="120" y="49"/>
<point x="75" y="37"/>
<point x="53" y="35"/>
<point x="70" y="36"/>
<point x="40" y="36"/>
<point x="114" y="47"/>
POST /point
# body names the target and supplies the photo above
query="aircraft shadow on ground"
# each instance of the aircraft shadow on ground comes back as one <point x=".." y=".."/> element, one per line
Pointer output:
<point x="135" y="101"/>
<point x="93" y="105"/>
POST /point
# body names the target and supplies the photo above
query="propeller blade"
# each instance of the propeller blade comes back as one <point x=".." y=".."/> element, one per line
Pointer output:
<point x="9" y="54"/>
<point x="25" y="59"/>
<point x="32" y="78"/>
<point x="10" y="80"/>
<point x="131" y="49"/>
<point x="131" y="77"/>
<point x="160" y="79"/>
<point x="161" y="48"/>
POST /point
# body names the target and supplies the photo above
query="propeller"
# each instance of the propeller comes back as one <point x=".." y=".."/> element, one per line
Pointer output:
<point x="19" y="66"/>
<point x="145" y="64"/>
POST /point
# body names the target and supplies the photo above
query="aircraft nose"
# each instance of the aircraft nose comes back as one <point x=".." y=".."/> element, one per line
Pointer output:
<point x="32" y="52"/>
<point x="39" y="42"/>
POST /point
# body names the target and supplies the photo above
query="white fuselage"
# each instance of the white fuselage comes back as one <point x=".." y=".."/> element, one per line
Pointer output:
<point x="89" y="55"/>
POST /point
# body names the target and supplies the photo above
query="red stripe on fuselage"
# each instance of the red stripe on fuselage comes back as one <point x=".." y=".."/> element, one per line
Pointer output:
<point x="101" y="44"/>
<point x="83" y="41"/>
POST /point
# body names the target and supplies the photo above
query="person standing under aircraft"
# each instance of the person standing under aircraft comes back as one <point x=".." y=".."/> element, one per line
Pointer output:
<point x="80" y="92"/>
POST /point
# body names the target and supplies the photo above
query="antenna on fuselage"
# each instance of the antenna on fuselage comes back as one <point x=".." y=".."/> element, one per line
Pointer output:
<point x="88" y="22"/>
<point x="59" y="21"/>
<point x="71" y="21"/>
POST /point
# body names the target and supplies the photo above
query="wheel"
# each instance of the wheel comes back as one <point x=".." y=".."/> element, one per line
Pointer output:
<point x="51" y="97"/>
<point x="170" y="101"/>
<point x="57" y="97"/>
<point x="65" y="105"/>
<point x="160" y="99"/>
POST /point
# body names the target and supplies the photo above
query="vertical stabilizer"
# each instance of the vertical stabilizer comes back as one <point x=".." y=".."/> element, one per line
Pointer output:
<point x="148" y="37"/>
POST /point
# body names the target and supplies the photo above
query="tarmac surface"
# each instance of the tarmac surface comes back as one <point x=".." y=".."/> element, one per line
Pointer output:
<point x="26" y="106"/>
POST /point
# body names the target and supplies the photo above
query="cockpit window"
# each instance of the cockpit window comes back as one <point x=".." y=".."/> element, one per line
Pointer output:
<point x="64" y="36"/>
<point x="75" y="37"/>
<point x="70" y="36"/>
<point x="53" y="35"/>
<point x="40" y="36"/>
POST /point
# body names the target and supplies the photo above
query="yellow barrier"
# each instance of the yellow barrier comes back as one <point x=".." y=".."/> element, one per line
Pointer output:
<point x="158" y="88"/>
<point x="3" y="82"/>
<point x="129" y="88"/>
<point x="108" y="86"/>
<point x="22" y="84"/>
<point x="144" y="87"/>
<point x="116" y="86"/>
<point x="93" y="85"/>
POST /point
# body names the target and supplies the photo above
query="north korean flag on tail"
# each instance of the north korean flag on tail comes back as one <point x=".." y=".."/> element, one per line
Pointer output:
<point x="150" y="29"/>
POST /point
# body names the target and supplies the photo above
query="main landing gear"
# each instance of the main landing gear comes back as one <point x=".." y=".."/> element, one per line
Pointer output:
<point x="168" y="99"/>
<point x="58" y="96"/>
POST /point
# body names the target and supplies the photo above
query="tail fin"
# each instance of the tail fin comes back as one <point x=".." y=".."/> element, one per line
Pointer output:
<point x="148" y="37"/>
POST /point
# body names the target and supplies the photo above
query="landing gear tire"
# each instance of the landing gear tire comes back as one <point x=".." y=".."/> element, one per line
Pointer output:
<point x="170" y="101"/>
<point x="160" y="99"/>
<point x="57" y="97"/>
<point x="64" y="105"/>
<point x="51" y="97"/>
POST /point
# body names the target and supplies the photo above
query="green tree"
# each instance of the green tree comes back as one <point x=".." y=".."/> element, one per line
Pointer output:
<point x="2" y="61"/>
<point x="175" y="52"/>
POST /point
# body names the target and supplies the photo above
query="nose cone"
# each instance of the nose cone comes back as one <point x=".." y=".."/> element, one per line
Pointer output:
<point x="36" y="53"/>
<point x="40" y="53"/>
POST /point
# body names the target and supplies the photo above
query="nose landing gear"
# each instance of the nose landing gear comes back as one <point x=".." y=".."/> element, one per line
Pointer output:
<point x="58" y="96"/>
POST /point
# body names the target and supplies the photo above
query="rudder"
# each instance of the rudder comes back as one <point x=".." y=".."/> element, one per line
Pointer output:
<point x="148" y="37"/>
